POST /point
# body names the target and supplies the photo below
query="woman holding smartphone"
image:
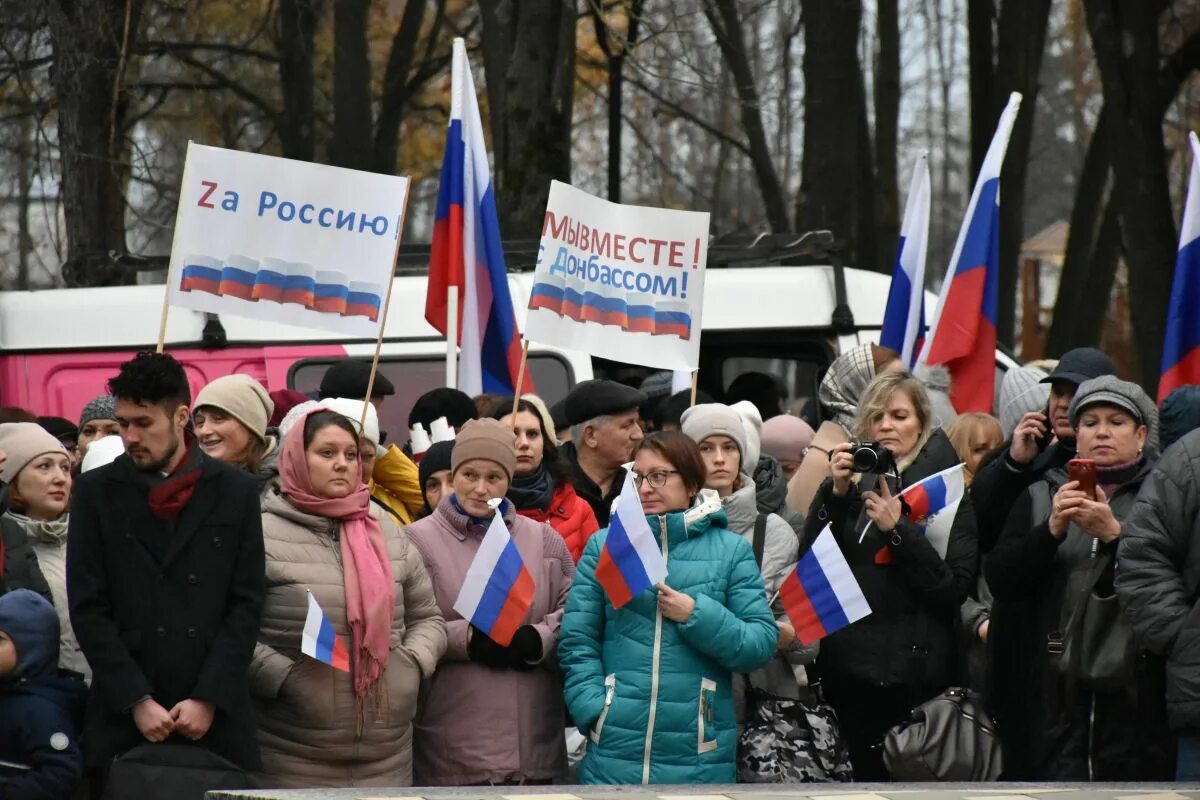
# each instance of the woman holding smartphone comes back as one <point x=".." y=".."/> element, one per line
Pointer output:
<point x="1092" y="713"/>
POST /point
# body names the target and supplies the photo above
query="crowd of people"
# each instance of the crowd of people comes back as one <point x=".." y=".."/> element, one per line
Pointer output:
<point x="159" y="556"/>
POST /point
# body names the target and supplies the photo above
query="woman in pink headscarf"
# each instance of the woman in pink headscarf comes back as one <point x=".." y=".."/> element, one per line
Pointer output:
<point x="319" y="726"/>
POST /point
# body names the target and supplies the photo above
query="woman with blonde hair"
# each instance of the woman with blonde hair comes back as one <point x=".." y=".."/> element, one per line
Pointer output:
<point x="881" y="667"/>
<point x="974" y="436"/>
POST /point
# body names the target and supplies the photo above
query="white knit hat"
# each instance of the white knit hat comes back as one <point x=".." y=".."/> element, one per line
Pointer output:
<point x="353" y="411"/>
<point x="717" y="419"/>
<point x="752" y="421"/>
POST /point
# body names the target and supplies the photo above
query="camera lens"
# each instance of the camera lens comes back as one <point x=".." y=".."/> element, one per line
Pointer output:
<point x="865" y="459"/>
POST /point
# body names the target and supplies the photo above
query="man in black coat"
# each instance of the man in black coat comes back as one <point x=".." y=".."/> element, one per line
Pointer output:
<point x="165" y="577"/>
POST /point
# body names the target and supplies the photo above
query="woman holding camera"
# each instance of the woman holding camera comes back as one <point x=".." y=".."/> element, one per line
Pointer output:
<point x="1093" y="703"/>
<point x="881" y="667"/>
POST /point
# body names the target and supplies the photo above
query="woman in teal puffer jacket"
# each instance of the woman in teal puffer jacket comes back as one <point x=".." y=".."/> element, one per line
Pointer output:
<point x="651" y="683"/>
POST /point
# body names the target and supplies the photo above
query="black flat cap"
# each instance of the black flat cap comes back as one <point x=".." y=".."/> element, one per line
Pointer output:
<point x="1081" y="364"/>
<point x="349" y="379"/>
<point x="598" y="397"/>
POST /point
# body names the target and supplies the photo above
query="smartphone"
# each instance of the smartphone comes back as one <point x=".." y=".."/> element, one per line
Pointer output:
<point x="1084" y="471"/>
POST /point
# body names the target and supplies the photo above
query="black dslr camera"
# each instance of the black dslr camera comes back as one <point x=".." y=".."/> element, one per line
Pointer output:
<point x="872" y="457"/>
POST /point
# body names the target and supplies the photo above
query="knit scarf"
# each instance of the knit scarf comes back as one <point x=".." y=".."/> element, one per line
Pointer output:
<point x="369" y="584"/>
<point x="169" y="496"/>
<point x="532" y="491"/>
<point x="1111" y="478"/>
<point x="52" y="531"/>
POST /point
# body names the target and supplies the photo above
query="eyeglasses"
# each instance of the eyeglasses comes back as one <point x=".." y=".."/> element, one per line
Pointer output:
<point x="657" y="479"/>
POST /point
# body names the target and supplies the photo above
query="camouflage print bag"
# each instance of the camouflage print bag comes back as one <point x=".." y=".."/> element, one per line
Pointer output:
<point x="791" y="741"/>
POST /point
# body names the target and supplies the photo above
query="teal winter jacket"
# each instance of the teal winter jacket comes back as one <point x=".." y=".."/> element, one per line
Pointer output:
<point x="655" y="697"/>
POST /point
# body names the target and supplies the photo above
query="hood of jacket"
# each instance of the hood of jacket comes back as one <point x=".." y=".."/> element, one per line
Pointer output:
<point x="770" y="485"/>
<point x="268" y="467"/>
<point x="741" y="507"/>
<point x="32" y="624"/>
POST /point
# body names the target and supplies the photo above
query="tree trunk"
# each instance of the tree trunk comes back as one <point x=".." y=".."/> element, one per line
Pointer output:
<point x="1020" y="43"/>
<point x="394" y="98"/>
<point x="90" y="40"/>
<point x="887" y="123"/>
<point x="352" y="143"/>
<point x="24" y="184"/>
<point x="726" y="22"/>
<point x="615" y="52"/>
<point x="1125" y="42"/>
<point x="832" y="169"/>
<point x="297" y="26"/>
<point x="529" y="61"/>
<point x="981" y="15"/>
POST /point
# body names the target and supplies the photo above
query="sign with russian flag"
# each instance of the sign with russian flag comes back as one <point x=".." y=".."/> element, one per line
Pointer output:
<point x="320" y="641"/>
<point x="904" y="315"/>
<point x="285" y="241"/>
<point x="498" y="589"/>
<point x="630" y="561"/>
<point x="821" y="595"/>
<point x="620" y="282"/>
<point x="963" y="338"/>
<point x="1181" y="346"/>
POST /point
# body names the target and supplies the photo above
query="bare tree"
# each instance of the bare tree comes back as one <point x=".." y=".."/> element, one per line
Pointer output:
<point x="887" y="124"/>
<point x="297" y="21"/>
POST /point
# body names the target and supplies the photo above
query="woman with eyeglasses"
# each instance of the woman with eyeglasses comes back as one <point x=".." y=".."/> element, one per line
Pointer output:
<point x="651" y="683"/>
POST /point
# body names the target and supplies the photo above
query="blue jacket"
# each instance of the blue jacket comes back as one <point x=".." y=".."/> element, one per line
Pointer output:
<point x="655" y="696"/>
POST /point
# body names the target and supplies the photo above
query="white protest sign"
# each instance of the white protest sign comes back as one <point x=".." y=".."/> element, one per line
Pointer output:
<point x="282" y="240"/>
<point x="620" y="282"/>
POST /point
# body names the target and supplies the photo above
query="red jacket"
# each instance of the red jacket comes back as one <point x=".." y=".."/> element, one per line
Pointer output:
<point x="570" y="516"/>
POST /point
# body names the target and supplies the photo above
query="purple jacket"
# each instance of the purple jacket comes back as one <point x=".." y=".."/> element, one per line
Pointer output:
<point x="476" y="724"/>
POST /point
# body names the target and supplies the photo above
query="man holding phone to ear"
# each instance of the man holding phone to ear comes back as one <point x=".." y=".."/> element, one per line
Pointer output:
<point x="1041" y="441"/>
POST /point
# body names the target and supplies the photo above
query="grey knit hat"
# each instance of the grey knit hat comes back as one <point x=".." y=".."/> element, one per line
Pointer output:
<point x="716" y="419"/>
<point x="1021" y="392"/>
<point x="102" y="407"/>
<point x="1111" y="390"/>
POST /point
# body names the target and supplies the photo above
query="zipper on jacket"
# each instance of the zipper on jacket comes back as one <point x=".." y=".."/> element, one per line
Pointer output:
<point x="654" y="662"/>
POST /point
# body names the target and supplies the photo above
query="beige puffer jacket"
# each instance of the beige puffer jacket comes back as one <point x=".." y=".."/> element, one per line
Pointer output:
<point x="306" y="710"/>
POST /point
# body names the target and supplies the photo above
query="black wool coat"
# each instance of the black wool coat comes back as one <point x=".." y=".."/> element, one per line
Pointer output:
<point x="175" y="626"/>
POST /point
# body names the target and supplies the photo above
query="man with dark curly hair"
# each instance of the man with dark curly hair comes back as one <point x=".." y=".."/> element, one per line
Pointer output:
<point x="165" y="578"/>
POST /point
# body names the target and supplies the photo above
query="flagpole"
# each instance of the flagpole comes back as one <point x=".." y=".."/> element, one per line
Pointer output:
<point x="383" y="315"/>
<point x="520" y="379"/>
<point x="162" y="324"/>
<point x="452" y="336"/>
<point x="695" y="384"/>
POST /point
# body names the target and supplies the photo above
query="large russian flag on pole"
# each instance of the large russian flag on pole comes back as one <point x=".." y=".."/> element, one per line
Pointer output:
<point x="466" y="250"/>
<point x="498" y="589"/>
<point x="904" y="316"/>
<point x="630" y="561"/>
<point x="821" y="595"/>
<point x="964" y="331"/>
<point x="1181" y="346"/>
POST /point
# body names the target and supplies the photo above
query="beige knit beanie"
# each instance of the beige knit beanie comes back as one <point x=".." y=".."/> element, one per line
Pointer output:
<point x="242" y="398"/>
<point x="22" y="442"/>
<point x="488" y="439"/>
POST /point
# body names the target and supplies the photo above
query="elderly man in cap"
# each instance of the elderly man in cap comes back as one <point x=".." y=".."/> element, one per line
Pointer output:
<point x="604" y="416"/>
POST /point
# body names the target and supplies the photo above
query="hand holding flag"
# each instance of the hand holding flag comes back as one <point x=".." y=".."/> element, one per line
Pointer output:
<point x="498" y="589"/>
<point x="630" y="561"/>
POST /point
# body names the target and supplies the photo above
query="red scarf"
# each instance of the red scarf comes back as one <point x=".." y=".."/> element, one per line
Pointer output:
<point x="168" y="498"/>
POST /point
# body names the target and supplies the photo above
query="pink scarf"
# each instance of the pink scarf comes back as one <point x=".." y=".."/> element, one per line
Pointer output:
<point x="370" y="588"/>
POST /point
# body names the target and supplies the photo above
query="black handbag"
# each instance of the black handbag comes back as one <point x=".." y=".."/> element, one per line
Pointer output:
<point x="172" y="772"/>
<point x="1098" y="650"/>
<point x="948" y="738"/>
<point x="791" y="741"/>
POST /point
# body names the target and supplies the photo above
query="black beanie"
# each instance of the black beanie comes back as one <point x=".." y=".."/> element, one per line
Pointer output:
<point x="436" y="459"/>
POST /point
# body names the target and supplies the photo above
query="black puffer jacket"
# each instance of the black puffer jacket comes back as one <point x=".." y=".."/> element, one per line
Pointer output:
<point x="910" y="637"/>
<point x="1052" y="731"/>
<point x="1159" y="577"/>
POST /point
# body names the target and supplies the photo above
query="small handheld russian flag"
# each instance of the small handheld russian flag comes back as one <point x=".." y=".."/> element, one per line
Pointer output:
<point x="821" y="595"/>
<point x="320" y="641"/>
<point x="630" y="561"/>
<point x="498" y="589"/>
<point x="926" y="500"/>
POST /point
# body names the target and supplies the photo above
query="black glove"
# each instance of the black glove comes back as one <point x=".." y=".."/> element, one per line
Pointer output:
<point x="526" y="648"/>
<point x="481" y="649"/>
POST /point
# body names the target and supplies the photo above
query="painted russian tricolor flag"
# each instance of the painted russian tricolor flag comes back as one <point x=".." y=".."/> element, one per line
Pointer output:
<point x="498" y="589"/>
<point x="201" y="274"/>
<point x="466" y="251"/>
<point x="904" y="316"/>
<point x="320" y="641"/>
<point x="630" y="561"/>
<point x="821" y="595"/>
<point x="964" y="331"/>
<point x="1181" y="346"/>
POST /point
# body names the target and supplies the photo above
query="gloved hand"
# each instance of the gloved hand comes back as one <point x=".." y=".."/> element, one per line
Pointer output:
<point x="526" y="648"/>
<point x="481" y="649"/>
